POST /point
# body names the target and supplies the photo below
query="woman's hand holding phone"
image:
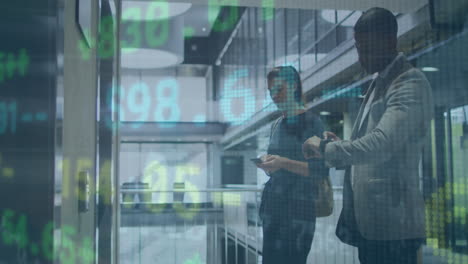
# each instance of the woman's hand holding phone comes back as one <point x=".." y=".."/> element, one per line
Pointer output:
<point x="271" y="163"/>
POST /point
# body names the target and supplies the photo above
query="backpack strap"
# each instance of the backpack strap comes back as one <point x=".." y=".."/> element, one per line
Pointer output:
<point x="275" y="125"/>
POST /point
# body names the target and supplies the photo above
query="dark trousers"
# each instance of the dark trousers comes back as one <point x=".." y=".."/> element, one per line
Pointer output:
<point x="389" y="252"/>
<point x="286" y="242"/>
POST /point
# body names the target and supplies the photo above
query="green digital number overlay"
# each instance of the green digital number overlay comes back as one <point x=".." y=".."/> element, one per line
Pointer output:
<point x="67" y="247"/>
<point x="132" y="16"/>
<point x="106" y="46"/>
<point x="192" y="191"/>
<point x="268" y="9"/>
<point x="86" y="251"/>
<point x="82" y="46"/>
<point x="11" y="64"/>
<point x="5" y="170"/>
<point x="106" y="41"/>
<point x="151" y="26"/>
<point x="230" y="21"/>
<point x="268" y="12"/>
<point x="439" y="216"/>
<point x="48" y="241"/>
<point x="194" y="260"/>
<point x="160" y="172"/>
<point x="157" y="23"/>
<point x="156" y="170"/>
<point x="14" y="232"/>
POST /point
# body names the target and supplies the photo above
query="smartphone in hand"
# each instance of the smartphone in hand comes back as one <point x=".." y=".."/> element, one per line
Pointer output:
<point x="257" y="160"/>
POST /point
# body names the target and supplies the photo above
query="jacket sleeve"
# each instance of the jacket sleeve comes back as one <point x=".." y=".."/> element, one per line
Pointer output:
<point x="402" y="121"/>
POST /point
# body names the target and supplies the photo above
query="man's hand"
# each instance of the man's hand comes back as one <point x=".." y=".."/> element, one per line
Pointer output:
<point x="311" y="148"/>
<point x="272" y="163"/>
<point x="331" y="135"/>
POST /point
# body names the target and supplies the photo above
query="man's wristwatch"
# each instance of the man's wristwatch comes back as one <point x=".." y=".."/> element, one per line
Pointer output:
<point x="323" y="143"/>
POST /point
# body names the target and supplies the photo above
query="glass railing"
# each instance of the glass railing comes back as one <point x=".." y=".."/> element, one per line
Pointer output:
<point x="186" y="231"/>
<point x="224" y="228"/>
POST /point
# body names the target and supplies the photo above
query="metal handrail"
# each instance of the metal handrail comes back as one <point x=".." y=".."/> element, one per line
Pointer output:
<point x="334" y="188"/>
<point x="187" y="190"/>
<point x="325" y="35"/>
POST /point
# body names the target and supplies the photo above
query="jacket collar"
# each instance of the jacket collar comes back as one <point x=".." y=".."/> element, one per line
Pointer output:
<point x="386" y="76"/>
<point x="382" y="81"/>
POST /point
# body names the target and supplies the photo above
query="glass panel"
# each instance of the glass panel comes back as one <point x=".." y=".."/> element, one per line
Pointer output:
<point x="270" y="42"/>
<point x="245" y="42"/>
<point x="348" y="19"/>
<point x="261" y="60"/>
<point x="252" y="50"/>
<point x="327" y="44"/>
<point x="307" y="28"/>
<point x="244" y="57"/>
<point x="459" y="154"/>
<point x="292" y="30"/>
<point x="280" y="38"/>
<point x="309" y="59"/>
<point x="326" y="20"/>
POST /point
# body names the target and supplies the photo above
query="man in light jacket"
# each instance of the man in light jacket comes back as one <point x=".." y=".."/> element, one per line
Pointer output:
<point x="383" y="208"/>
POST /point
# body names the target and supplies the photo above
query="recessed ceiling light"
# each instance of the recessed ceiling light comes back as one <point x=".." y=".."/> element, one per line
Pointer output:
<point x="429" y="69"/>
<point x="203" y="29"/>
<point x="149" y="58"/>
<point x="325" y="113"/>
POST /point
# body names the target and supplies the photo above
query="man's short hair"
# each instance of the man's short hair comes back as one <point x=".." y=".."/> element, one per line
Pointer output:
<point x="377" y="20"/>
